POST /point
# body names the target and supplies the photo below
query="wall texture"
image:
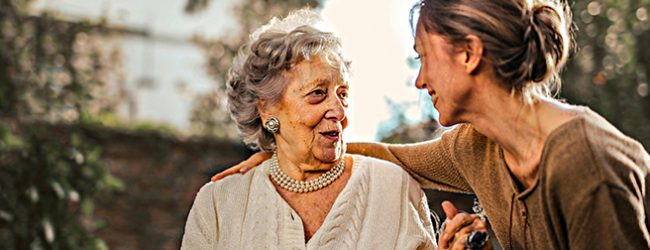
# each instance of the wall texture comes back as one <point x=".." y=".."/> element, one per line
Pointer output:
<point x="161" y="175"/>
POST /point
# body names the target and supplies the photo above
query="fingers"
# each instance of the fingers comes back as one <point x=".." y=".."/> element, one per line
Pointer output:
<point x="244" y="169"/>
<point x="459" y="238"/>
<point x="449" y="209"/>
<point x="477" y="225"/>
<point x="227" y="172"/>
<point x="255" y="160"/>
<point x="244" y="166"/>
<point x="459" y="243"/>
<point x="453" y="225"/>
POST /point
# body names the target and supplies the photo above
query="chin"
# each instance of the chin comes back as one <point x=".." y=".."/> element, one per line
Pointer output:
<point x="330" y="154"/>
<point x="446" y="122"/>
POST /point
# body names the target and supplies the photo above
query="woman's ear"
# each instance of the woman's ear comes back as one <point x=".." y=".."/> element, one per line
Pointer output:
<point x="473" y="49"/>
<point x="262" y="109"/>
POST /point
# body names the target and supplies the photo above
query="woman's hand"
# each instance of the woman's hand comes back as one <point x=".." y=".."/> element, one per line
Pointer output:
<point x="244" y="166"/>
<point x="459" y="226"/>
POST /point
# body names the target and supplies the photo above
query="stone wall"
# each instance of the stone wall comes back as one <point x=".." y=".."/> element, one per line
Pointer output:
<point x="162" y="175"/>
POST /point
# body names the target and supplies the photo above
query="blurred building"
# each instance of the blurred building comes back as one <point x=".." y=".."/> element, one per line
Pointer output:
<point x="163" y="68"/>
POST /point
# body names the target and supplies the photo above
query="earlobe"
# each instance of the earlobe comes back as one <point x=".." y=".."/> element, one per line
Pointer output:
<point x="473" y="53"/>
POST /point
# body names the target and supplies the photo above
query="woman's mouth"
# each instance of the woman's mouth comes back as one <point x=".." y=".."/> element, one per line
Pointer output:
<point x="332" y="135"/>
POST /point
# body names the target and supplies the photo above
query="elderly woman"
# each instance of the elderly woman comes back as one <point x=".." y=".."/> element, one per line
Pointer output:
<point x="287" y="92"/>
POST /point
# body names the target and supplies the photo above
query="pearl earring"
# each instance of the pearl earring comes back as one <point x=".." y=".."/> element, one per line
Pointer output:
<point x="272" y="125"/>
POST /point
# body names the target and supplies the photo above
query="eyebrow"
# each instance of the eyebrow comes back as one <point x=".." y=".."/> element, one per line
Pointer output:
<point x="318" y="82"/>
<point x="415" y="47"/>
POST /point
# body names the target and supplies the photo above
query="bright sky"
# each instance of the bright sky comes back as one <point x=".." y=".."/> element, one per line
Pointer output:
<point x="376" y="38"/>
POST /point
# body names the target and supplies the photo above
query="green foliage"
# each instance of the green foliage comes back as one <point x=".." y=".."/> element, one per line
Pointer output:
<point x="111" y="120"/>
<point x="609" y="71"/>
<point x="46" y="183"/>
<point x="51" y="71"/>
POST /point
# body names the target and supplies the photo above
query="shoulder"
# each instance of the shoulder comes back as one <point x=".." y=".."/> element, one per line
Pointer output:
<point x="231" y="187"/>
<point x="217" y="204"/>
<point x="468" y="148"/>
<point x="588" y="152"/>
<point x="607" y="141"/>
<point x="384" y="174"/>
<point x="377" y="167"/>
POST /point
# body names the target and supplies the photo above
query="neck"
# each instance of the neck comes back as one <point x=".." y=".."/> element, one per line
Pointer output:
<point x="520" y="129"/>
<point x="302" y="168"/>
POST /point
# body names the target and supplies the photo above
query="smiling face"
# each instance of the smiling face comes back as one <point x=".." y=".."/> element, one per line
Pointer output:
<point x="443" y="74"/>
<point x="312" y="113"/>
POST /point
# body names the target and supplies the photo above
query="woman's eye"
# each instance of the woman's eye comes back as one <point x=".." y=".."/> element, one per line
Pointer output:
<point x="318" y="92"/>
<point x="316" y="96"/>
<point x="417" y="57"/>
<point x="343" y="95"/>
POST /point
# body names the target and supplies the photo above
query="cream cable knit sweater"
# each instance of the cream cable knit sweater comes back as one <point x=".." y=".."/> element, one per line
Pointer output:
<point x="381" y="207"/>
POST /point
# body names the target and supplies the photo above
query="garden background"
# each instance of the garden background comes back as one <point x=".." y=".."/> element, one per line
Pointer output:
<point x="111" y="121"/>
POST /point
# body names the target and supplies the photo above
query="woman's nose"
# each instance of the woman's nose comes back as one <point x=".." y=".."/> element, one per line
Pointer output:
<point x="336" y="109"/>
<point x="419" y="81"/>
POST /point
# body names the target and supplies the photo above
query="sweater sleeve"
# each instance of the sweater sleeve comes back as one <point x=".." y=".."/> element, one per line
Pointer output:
<point x="597" y="180"/>
<point x="432" y="163"/>
<point x="614" y="214"/>
<point x="200" y="229"/>
<point x="608" y="219"/>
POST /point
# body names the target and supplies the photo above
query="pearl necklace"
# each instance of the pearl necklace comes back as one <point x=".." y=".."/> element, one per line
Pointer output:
<point x="297" y="186"/>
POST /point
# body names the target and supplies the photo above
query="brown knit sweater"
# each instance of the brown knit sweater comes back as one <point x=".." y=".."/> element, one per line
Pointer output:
<point x="591" y="191"/>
